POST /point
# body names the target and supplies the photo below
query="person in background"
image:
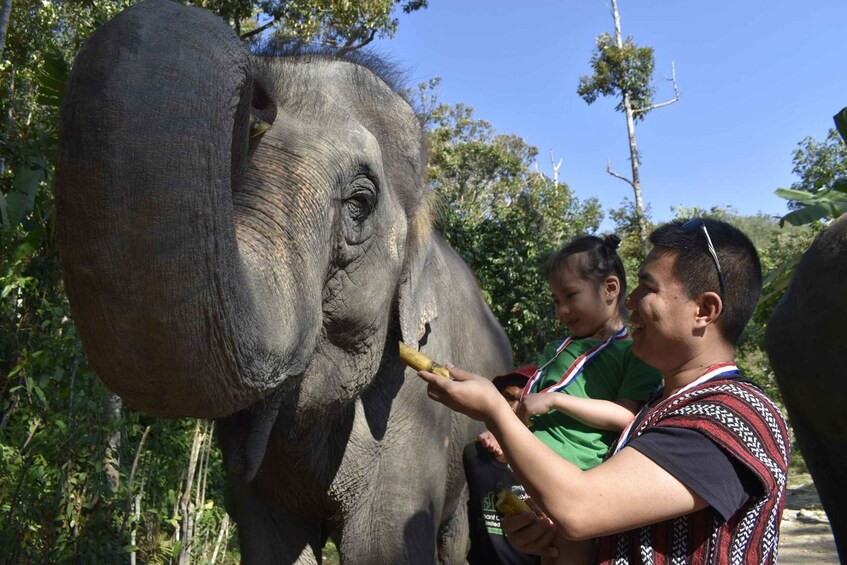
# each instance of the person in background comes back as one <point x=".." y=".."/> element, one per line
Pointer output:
<point x="487" y="474"/>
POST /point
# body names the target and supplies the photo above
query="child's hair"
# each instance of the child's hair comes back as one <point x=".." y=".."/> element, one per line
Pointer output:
<point x="504" y="382"/>
<point x="695" y="268"/>
<point x="594" y="259"/>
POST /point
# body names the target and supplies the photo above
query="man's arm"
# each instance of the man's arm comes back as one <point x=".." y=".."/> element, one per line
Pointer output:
<point x="627" y="491"/>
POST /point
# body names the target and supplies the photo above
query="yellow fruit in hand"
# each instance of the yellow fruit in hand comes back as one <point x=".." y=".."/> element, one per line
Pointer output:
<point x="509" y="504"/>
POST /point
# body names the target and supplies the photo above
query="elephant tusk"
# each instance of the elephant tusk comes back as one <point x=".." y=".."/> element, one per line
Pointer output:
<point x="420" y="362"/>
<point x="257" y="126"/>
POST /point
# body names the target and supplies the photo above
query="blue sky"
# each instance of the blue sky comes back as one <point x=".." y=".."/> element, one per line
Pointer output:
<point x="755" y="79"/>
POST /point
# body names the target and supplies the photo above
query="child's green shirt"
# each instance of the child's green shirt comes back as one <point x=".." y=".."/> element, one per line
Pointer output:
<point x="612" y="374"/>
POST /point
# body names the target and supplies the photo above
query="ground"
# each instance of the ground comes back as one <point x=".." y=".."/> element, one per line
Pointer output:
<point x="805" y="535"/>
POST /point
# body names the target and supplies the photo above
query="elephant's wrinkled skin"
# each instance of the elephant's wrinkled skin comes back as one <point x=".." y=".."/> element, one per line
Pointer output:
<point x="265" y="278"/>
<point x="807" y="345"/>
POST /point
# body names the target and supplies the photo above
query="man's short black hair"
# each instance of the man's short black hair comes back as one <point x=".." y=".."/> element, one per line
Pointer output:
<point x="695" y="268"/>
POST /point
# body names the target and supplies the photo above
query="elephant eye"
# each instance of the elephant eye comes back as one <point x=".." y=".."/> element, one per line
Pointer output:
<point x="362" y="200"/>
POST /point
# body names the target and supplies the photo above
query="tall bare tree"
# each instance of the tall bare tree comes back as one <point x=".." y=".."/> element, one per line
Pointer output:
<point x="625" y="70"/>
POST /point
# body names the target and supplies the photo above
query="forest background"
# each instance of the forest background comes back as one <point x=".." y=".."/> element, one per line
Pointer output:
<point x="84" y="478"/>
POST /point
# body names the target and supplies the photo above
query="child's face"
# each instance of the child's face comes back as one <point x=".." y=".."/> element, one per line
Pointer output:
<point x="512" y="394"/>
<point x="584" y="307"/>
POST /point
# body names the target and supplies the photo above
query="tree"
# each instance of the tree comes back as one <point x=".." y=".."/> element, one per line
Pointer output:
<point x="821" y="192"/>
<point x="819" y="164"/>
<point x="628" y="228"/>
<point x="501" y="215"/>
<point x="625" y="70"/>
<point x="340" y="24"/>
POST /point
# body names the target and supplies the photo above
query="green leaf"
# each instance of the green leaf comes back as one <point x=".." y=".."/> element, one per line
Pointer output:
<point x="791" y="194"/>
<point x="806" y="215"/>
<point x="841" y="123"/>
<point x="51" y="81"/>
<point x="837" y="208"/>
<point x="777" y="280"/>
<point x="21" y="198"/>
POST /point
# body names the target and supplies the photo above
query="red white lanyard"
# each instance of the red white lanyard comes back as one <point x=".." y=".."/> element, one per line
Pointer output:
<point x="713" y="372"/>
<point x="576" y="367"/>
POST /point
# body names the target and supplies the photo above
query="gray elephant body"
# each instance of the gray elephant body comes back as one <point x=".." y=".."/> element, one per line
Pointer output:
<point x="263" y="276"/>
<point x="806" y="342"/>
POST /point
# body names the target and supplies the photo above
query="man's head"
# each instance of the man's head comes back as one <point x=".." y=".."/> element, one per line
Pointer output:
<point x="733" y="272"/>
<point x="511" y="384"/>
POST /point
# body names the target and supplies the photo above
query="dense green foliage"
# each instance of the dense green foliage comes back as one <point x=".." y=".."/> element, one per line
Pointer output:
<point x="821" y="192"/>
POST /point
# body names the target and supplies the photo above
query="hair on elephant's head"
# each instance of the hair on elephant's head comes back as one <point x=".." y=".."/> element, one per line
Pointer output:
<point x="234" y="225"/>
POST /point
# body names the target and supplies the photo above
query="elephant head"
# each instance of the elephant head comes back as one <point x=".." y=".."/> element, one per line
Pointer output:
<point x="229" y="224"/>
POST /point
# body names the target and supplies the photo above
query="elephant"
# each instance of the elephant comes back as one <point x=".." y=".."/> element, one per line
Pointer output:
<point x="806" y="342"/>
<point x="247" y="238"/>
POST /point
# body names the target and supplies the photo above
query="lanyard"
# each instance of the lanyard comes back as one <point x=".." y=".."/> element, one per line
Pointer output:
<point x="714" y="372"/>
<point x="576" y="367"/>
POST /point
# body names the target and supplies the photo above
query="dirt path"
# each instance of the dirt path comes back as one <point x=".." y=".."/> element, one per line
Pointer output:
<point x="805" y="535"/>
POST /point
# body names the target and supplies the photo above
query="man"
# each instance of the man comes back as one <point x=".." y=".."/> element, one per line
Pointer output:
<point x="699" y="477"/>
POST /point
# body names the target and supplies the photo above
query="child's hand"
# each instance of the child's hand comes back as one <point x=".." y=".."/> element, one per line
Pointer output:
<point x="533" y="404"/>
<point x="490" y="443"/>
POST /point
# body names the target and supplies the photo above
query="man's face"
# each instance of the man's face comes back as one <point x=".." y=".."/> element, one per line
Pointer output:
<point x="662" y="313"/>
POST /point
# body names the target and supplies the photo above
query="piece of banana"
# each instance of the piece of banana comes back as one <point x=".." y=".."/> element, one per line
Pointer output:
<point x="509" y="504"/>
<point x="420" y="362"/>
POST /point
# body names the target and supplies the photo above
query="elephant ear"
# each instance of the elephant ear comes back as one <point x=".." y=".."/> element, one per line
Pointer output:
<point x="417" y="301"/>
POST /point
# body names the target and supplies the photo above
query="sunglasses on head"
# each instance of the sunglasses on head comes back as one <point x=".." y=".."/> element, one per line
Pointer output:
<point x="698" y="223"/>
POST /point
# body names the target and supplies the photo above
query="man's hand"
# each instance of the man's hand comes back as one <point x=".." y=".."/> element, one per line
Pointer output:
<point x="530" y="533"/>
<point x="470" y="394"/>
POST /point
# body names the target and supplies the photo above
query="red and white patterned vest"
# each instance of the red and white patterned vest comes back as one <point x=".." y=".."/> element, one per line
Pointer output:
<point x="738" y="417"/>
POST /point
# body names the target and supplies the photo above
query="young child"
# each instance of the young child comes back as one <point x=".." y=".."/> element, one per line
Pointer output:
<point x="487" y="474"/>
<point x="589" y="386"/>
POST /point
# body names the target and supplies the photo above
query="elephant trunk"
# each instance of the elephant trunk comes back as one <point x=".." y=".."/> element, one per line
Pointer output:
<point x="154" y="138"/>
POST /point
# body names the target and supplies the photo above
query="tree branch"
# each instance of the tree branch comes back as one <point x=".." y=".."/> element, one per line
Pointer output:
<point x="556" y="167"/>
<point x="617" y="175"/>
<point x="260" y="29"/>
<point x="349" y="44"/>
<point x="667" y="103"/>
<point x="138" y="451"/>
